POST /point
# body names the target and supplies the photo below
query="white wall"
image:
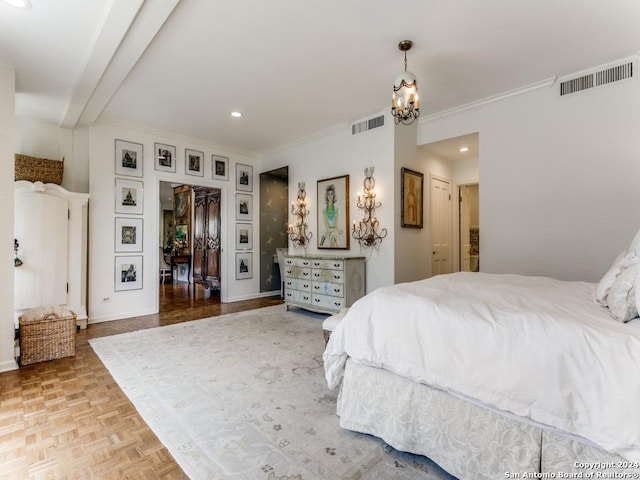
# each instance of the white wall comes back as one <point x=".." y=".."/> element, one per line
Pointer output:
<point x="338" y="153"/>
<point x="7" y="138"/>
<point x="102" y="138"/>
<point x="46" y="140"/>
<point x="559" y="177"/>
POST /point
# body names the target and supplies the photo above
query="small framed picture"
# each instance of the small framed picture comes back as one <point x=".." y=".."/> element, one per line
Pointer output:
<point x="244" y="206"/>
<point x="244" y="268"/>
<point x="244" y="177"/>
<point x="411" y="215"/>
<point x="220" y="167"/>
<point x="194" y="162"/>
<point x="244" y="236"/>
<point x="129" y="196"/>
<point x="128" y="234"/>
<point x="165" y="157"/>
<point x="128" y="158"/>
<point x="128" y="273"/>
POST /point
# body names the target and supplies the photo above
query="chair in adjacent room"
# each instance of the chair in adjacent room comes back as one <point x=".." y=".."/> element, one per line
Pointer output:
<point x="165" y="269"/>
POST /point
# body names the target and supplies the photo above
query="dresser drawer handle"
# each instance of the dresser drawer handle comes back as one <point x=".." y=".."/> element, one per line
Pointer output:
<point x="337" y="304"/>
<point x="316" y="264"/>
<point x="337" y="277"/>
<point x="316" y="275"/>
<point x="306" y="285"/>
<point x="306" y="274"/>
<point x="317" y="287"/>
<point x="306" y="298"/>
<point x="337" y="290"/>
<point x="317" y="300"/>
<point x="336" y="265"/>
<point x="305" y="263"/>
<point x="289" y="283"/>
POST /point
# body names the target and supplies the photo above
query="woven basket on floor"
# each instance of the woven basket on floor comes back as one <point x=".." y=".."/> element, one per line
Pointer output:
<point x="47" y="333"/>
<point x="34" y="169"/>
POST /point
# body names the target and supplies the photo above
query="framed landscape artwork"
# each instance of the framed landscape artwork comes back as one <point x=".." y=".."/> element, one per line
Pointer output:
<point x="128" y="273"/>
<point x="128" y="234"/>
<point x="128" y="158"/>
<point x="411" y="215"/>
<point x="333" y="213"/>
<point x="194" y="162"/>
<point x="220" y="167"/>
<point x="129" y="196"/>
<point x="165" y="157"/>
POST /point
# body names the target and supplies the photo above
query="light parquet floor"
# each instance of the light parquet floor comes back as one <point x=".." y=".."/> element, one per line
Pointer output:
<point x="68" y="418"/>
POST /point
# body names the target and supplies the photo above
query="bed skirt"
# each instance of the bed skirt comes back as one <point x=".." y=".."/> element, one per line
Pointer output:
<point x="464" y="438"/>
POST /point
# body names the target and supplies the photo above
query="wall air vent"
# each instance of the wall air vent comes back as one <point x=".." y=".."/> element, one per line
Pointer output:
<point x="367" y="125"/>
<point x="597" y="78"/>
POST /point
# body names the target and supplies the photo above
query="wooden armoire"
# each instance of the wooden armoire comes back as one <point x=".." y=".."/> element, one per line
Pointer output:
<point x="206" y="237"/>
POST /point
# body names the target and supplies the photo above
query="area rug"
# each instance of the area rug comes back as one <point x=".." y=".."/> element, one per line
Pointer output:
<point x="243" y="396"/>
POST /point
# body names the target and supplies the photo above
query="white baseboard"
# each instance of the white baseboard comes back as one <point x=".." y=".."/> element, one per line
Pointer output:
<point x="8" y="365"/>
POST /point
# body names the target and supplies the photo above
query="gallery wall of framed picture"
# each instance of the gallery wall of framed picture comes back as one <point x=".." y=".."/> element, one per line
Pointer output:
<point x="170" y="159"/>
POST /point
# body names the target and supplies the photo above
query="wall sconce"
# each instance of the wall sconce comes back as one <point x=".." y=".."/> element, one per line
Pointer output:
<point x="298" y="233"/>
<point x="16" y="261"/>
<point x="367" y="231"/>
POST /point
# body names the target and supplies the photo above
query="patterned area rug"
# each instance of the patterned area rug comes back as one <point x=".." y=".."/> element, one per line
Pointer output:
<point x="243" y="396"/>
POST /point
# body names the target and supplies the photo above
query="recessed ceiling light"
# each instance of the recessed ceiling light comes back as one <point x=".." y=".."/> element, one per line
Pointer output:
<point x="464" y="149"/>
<point x="236" y="114"/>
<point x="24" y="4"/>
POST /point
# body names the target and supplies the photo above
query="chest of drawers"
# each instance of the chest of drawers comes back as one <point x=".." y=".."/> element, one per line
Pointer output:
<point x="323" y="283"/>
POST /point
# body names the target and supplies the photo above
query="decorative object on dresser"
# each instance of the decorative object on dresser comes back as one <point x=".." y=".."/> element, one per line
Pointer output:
<point x="193" y="162"/>
<point x="165" y="157"/>
<point x="128" y="158"/>
<point x="411" y="212"/>
<point x="297" y="232"/>
<point x="244" y="177"/>
<point x="333" y="213"/>
<point x="50" y="224"/>
<point x="323" y="283"/>
<point x="206" y="237"/>
<point x="367" y="232"/>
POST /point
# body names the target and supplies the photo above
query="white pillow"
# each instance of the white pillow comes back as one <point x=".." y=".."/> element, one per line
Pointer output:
<point x="621" y="262"/>
<point x="621" y="299"/>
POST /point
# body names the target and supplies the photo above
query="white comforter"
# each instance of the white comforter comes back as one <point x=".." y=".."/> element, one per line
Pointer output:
<point x="533" y="346"/>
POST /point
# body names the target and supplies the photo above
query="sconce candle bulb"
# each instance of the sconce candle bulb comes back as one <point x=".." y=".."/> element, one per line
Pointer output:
<point x="298" y="233"/>
<point x="366" y="232"/>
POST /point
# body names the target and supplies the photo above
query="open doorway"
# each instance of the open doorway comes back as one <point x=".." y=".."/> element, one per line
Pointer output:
<point x="188" y="246"/>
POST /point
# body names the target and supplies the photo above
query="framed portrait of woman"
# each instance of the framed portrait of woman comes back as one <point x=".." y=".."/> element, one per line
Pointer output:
<point x="333" y="213"/>
<point x="412" y="190"/>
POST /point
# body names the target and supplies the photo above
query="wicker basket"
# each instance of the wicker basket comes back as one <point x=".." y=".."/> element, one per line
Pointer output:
<point x="34" y="169"/>
<point x="47" y="333"/>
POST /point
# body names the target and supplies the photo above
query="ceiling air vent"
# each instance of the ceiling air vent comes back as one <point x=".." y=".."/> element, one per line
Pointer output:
<point x="597" y="78"/>
<point x="367" y="125"/>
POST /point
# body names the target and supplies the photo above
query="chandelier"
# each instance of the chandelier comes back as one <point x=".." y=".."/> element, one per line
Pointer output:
<point x="404" y="102"/>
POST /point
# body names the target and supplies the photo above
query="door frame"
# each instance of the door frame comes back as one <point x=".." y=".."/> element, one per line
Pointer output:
<point x="441" y="178"/>
<point x="224" y="235"/>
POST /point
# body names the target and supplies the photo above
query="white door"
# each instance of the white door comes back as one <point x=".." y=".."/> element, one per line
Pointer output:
<point x="440" y="226"/>
<point x="465" y="237"/>
<point x="41" y="228"/>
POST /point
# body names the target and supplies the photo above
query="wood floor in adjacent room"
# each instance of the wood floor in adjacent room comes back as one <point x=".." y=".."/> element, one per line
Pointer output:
<point x="68" y="419"/>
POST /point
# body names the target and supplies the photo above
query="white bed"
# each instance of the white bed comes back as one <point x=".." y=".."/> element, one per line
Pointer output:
<point x="492" y="374"/>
